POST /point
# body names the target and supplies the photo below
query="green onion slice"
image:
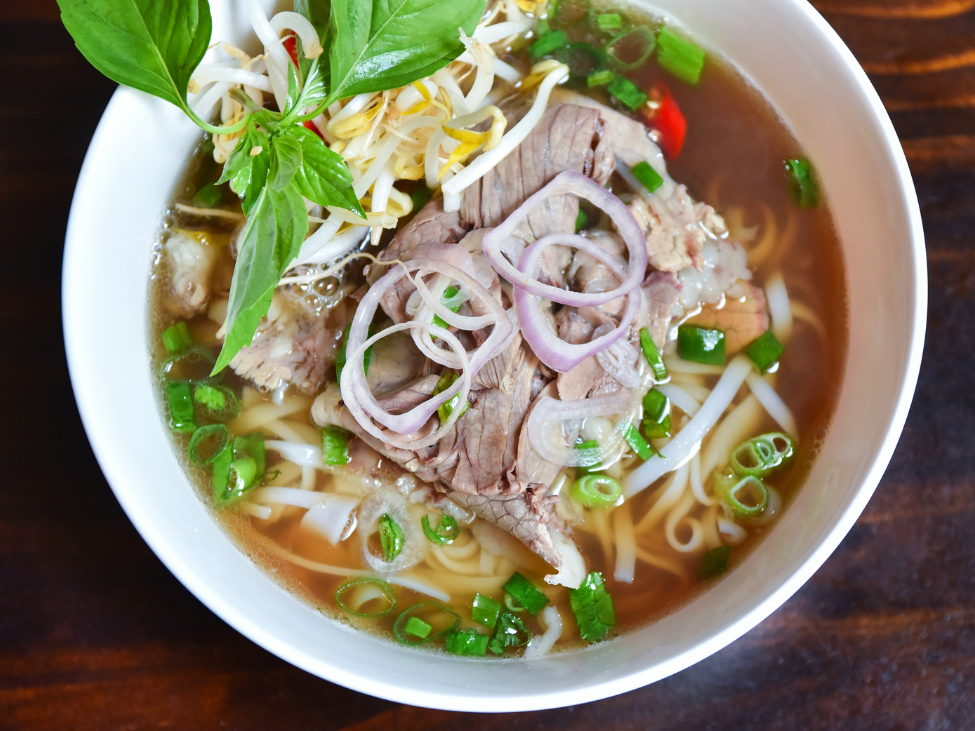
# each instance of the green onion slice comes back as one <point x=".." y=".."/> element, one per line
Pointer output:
<point x="637" y="443"/>
<point x="484" y="610"/>
<point x="760" y="455"/>
<point x="432" y="614"/>
<point x="341" y="359"/>
<point x="714" y="562"/>
<point x="448" y="293"/>
<point x="628" y="93"/>
<point x="746" y="497"/>
<point x="582" y="220"/>
<point x="209" y="195"/>
<point x="390" y="537"/>
<point x="510" y="632"/>
<point x="631" y="48"/>
<point x="208" y="443"/>
<point x="467" y="643"/>
<point x="219" y="402"/>
<point x="445" y="410"/>
<point x="765" y="351"/>
<point x="364" y="593"/>
<point x="512" y="604"/>
<point x="582" y="59"/>
<point x="597" y="491"/>
<point x="683" y="59"/>
<point x="650" y="179"/>
<point x="600" y="78"/>
<point x="657" y="429"/>
<point x="593" y="608"/>
<point x="420" y="196"/>
<point x="802" y="183"/>
<point x="569" y="12"/>
<point x="526" y="593"/>
<point x="548" y="44"/>
<point x="335" y="446"/>
<point x="176" y="338"/>
<point x="190" y="364"/>
<point x="609" y="21"/>
<point x="655" y="405"/>
<point x="654" y="358"/>
<point x="182" y="415"/>
<point x="589" y="444"/>
<point x="444" y="534"/>
<point x="701" y="344"/>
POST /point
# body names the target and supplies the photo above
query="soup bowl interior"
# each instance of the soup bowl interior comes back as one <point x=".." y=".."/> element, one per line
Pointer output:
<point x="788" y="52"/>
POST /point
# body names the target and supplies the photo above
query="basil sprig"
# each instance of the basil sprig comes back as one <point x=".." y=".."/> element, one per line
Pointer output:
<point x="156" y="45"/>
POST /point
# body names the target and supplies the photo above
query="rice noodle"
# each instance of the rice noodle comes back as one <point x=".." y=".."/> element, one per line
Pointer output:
<point x="736" y="427"/>
<point x="669" y="493"/>
<point x="408" y="581"/>
<point x="287" y="496"/>
<point x="697" y="485"/>
<point x="306" y="455"/>
<point x="779" y="307"/>
<point x="773" y="404"/>
<point x="257" y="511"/>
<point x="679" y="398"/>
<point x="733" y="532"/>
<point x="678" y="517"/>
<point x="209" y="74"/>
<point x="625" y="544"/>
<point x="542" y="645"/>
<point x="679" y="449"/>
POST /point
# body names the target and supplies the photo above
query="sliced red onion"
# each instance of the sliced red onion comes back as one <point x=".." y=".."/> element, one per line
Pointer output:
<point x="573" y="182"/>
<point x="620" y="360"/>
<point x="549" y="414"/>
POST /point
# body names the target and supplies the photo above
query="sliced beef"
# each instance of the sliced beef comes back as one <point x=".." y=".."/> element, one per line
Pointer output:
<point x="661" y="290"/>
<point x="743" y="317"/>
<point x="292" y="345"/>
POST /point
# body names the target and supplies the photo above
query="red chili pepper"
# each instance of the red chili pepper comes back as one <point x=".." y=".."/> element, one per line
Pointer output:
<point x="291" y="46"/>
<point x="311" y="125"/>
<point x="670" y="122"/>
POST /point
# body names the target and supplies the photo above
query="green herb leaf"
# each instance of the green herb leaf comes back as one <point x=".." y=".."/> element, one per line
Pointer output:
<point x="146" y="44"/>
<point x="317" y="12"/>
<point x="323" y="176"/>
<point x="285" y="161"/>
<point x="383" y="45"/>
<point x="270" y="241"/>
<point x="248" y="173"/>
<point x="294" y="89"/>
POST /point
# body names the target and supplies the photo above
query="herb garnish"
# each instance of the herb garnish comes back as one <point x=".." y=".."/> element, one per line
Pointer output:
<point x="156" y="45"/>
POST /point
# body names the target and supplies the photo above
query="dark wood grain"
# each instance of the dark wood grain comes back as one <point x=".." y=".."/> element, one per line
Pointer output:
<point x="96" y="634"/>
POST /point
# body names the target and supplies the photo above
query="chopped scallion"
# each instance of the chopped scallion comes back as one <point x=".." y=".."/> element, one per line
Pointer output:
<point x="467" y="642"/>
<point x="420" y="196"/>
<point x="802" y="183"/>
<point x="208" y="443"/>
<point x="765" y="351"/>
<point x="609" y="21"/>
<point x="597" y="491"/>
<point x="510" y="632"/>
<point x="655" y="405"/>
<point x="701" y="344"/>
<point x="593" y="608"/>
<point x="582" y="59"/>
<point x="439" y="619"/>
<point x="447" y="294"/>
<point x="390" y="537"/>
<point x="638" y="444"/>
<point x="548" y="44"/>
<point x="335" y="446"/>
<point x="484" y="610"/>
<point x="679" y="56"/>
<point x="650" y="178"/>
<point x="654" y="358"/>
<point x="745" y="497"/>
<point x="357" y="591"/>
<point x="193" y="363"/>
<point x="582" y="220"/>
<point x="600" y="78"/>
<point x="218" y="402"/>
<point x="512" y="604"/>
<point x="444" y="534"/>
<point x="176" y="338"/>
<point x="628" y="93"/>
<point x="209" y="195"/>
<point x="446" y="409"/>
<point x="588" y="469"/>
<point x="714" y="562"/>
<point x="542" y="27"/>
<point x="760" y="455"/>
<point x="569" y="12"/>
<point x="526" y="593"/>
<point x="182" y="416"/>
<point x="340" y="358"/>
<point x="657" y="429"/>
<point x="631" y="49"/>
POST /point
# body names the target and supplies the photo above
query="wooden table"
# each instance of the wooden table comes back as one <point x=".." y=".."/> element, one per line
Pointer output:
<point x="96" y="634"/>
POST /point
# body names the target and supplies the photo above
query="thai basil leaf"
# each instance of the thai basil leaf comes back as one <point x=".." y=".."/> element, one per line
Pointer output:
<point x="323" y="176"/>
<point x="149" y="45"/>
<point x="316" y="83"/>
<point x="267" y="245"/>
<point x="294" y="89"/>
<point x="248" y="173"/>
<point x="317" y="12"/>
<point x="285" y="161"/>
<point x="384" y="44"/>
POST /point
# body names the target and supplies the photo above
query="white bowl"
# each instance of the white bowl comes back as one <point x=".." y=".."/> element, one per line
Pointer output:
<point x="789" y="52"/>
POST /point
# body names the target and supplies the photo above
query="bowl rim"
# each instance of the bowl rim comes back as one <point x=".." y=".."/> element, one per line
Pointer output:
<point x="72" y="288"/>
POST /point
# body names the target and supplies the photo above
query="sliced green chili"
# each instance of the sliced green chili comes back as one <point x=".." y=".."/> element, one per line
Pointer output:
<point x="714" y="562"/>
<point x="597" y="491"/>
<point x="335" y="446"/>
<point x="764" y="351"/>
<point x="701" y="344"/>
<point x="649" y="177"/>
<point x="176" y="338"/>
<point x="510" y="632"/>
<point x="548" y="44"/>
<point x="390" y="537"/>
<point x="802" y="183"/>
<point x="444" y="534"/>
<point x="526" y="593"/>
<point x="182" y="416"/>
<point x="628" y="93"/>
<point x="467" y="642"/>
<point x="654" y="358"/>
<point x="631" y="48"/>
<point x="407" y="631"/>
<point x="208" y="443"/>
<point x="593" y="608"/>
<point x="679" y="56"/>
<point x="385" y="589"/>
<point x="484" y="610"/>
